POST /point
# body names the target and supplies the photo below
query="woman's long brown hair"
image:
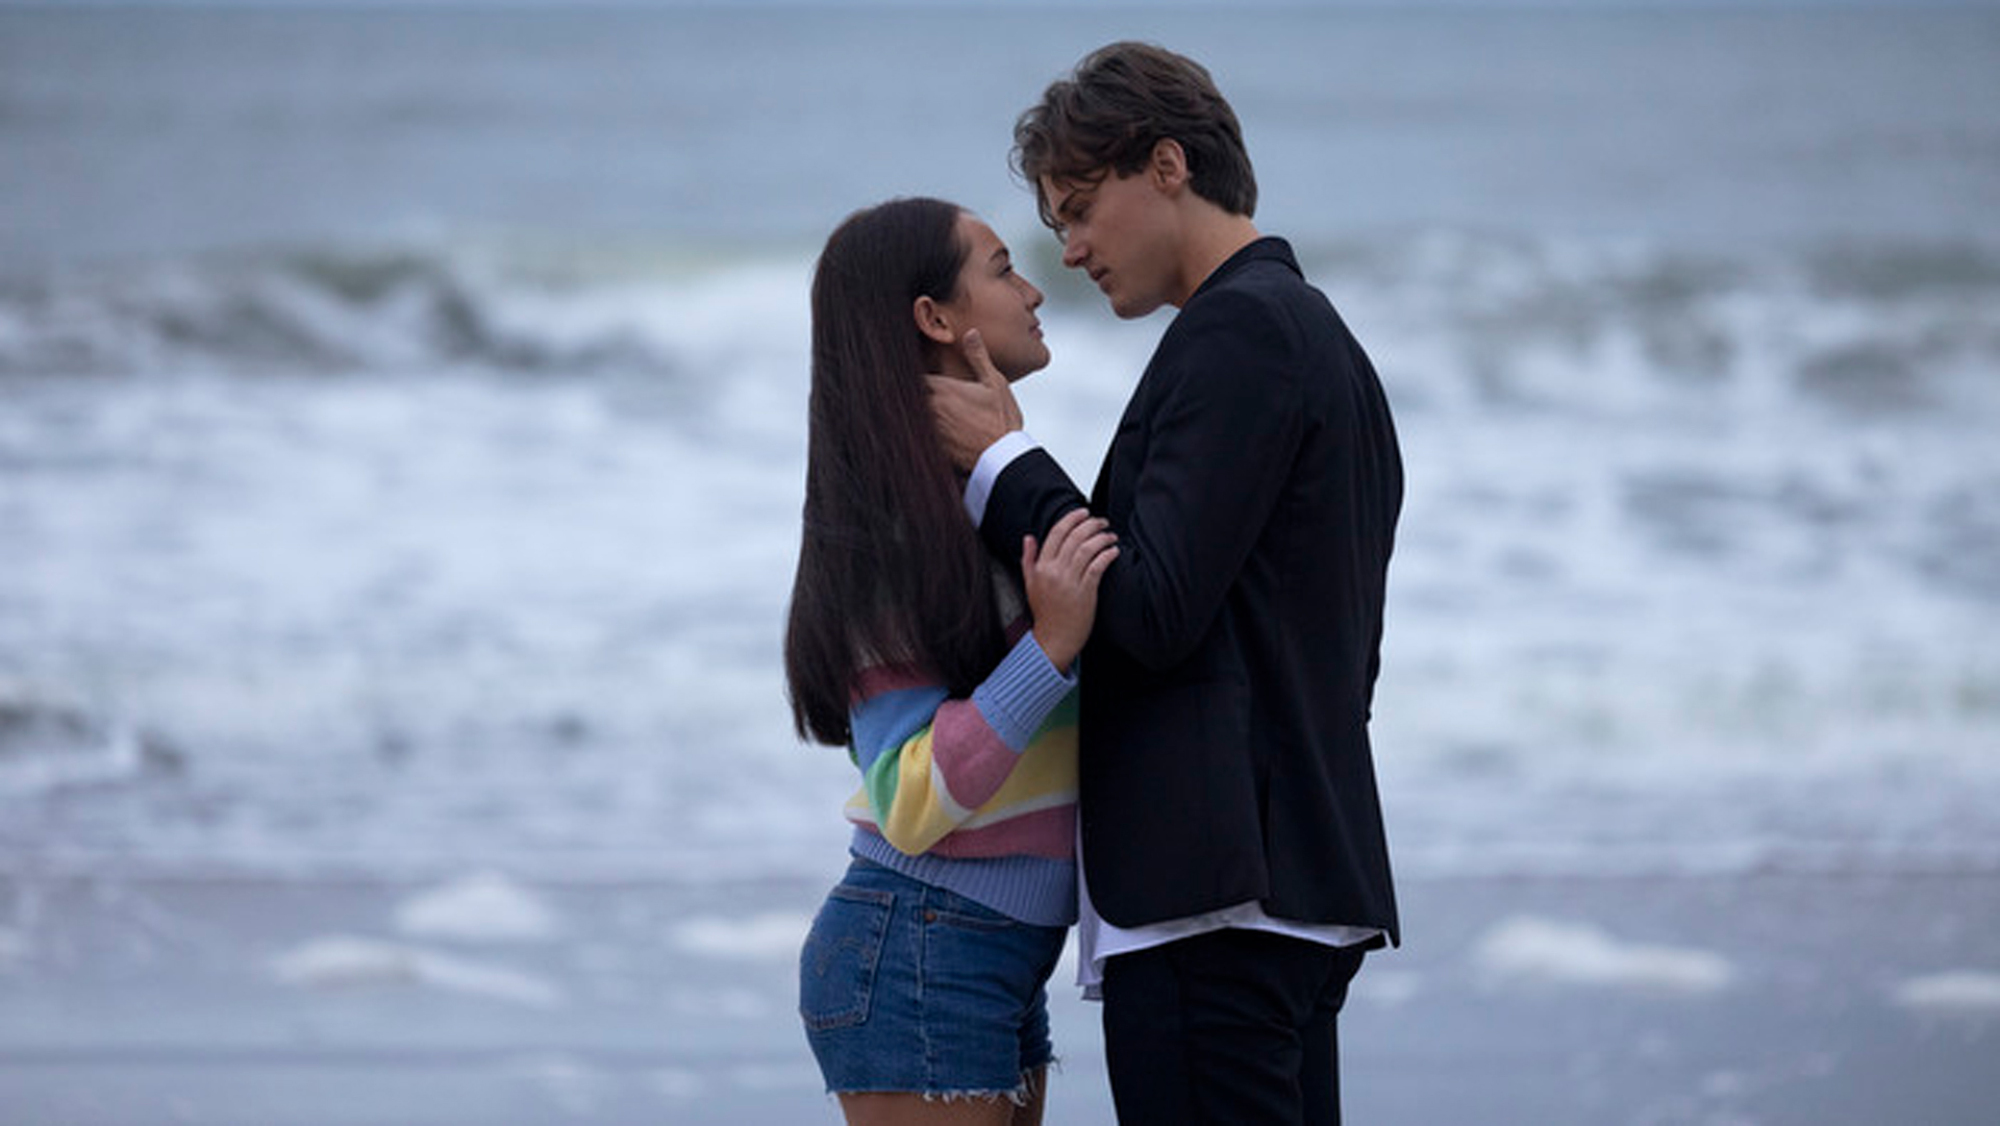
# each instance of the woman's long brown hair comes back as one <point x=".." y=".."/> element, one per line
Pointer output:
<point x="890" y="566"/>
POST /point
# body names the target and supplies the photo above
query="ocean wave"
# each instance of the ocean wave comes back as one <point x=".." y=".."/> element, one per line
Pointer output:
<point x="332" y="310"/>
<point x="1489" y="319"/>
<point x="1695" y="572"/>
<point x="1610" y="327"/>
<point x="48" y="744"/>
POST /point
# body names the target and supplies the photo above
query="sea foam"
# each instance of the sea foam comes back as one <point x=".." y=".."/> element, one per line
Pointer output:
<point x="1528" y="950"/>
<point x="768" y="936"/>
<point x="1961" y="992"/>
<point x="341" y="961"/>
<point x="485" y="907"/>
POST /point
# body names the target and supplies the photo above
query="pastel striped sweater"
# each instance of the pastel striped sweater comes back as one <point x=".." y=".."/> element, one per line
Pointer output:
<point x="976" y="795"/>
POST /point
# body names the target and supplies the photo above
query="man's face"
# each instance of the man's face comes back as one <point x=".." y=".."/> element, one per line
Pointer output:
<point x="1121" y="231"/>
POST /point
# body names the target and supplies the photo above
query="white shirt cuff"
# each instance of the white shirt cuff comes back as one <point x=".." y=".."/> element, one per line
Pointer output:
<point x="997" y="457"/>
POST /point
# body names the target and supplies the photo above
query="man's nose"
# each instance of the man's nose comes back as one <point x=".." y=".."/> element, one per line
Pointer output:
<point x="1072" y="252"/>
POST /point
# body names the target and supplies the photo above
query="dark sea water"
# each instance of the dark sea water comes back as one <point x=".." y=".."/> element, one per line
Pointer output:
<point x="401" y="417"/>
<point x="145" y="131"/>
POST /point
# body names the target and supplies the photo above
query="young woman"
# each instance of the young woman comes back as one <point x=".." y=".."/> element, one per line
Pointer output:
<point x="921" y="983"/>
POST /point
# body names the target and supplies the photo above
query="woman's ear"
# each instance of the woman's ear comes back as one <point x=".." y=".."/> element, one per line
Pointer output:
<point x="934" y="322"/>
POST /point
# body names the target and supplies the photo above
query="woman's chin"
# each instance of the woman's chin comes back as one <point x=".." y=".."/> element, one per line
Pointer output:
<point x="1016" y="373"/>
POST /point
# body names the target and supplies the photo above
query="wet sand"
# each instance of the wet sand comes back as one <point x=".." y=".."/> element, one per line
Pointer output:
<point x="1760" y="999"/>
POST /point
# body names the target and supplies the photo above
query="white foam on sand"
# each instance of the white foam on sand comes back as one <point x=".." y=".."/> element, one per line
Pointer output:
<point x="1387" y="989"/>
<point x="485" y="907"/>
<point x="1529" y="950"/>
<point x="771" y="936"/>
<point x="572" y="1085"/>
<point x="341" y="961"/>
<point x="678" y="1083"/>
<point x="13" y="947"/>
<point x="721" y="1004"/>
<point x="1971" y="992"/>
<point x="798" y="1075"/>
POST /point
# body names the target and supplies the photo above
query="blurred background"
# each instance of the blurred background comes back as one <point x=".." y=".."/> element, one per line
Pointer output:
<point x="401" y="446"/>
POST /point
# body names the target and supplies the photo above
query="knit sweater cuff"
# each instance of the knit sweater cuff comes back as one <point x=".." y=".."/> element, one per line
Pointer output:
<point x="1018" y="697"/>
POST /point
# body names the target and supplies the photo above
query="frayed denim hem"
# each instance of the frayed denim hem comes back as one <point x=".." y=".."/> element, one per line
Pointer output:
<point x="1032" y="1083"/>
<point x="1018" y="1096"/>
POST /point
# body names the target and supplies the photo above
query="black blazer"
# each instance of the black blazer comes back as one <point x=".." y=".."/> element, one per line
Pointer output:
<point x="1254" y="483"/>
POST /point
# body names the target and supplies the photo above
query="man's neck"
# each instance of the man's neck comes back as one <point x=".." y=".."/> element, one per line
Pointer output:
<point x="1214" y="238"/>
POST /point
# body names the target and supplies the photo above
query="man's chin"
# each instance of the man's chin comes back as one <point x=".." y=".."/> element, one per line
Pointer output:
<point x="1126" y="305"/>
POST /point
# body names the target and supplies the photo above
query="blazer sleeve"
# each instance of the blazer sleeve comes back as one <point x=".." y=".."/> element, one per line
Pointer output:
<point x="1027" y="499"/>
<point x="1222" y="423"/>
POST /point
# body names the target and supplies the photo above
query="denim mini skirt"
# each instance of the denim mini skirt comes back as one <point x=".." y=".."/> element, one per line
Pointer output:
<point x="907" y="987"/>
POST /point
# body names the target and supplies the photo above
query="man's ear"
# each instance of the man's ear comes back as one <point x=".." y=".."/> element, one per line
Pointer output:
<point x="933" y="321"/>
<point x="1167" y="167"/>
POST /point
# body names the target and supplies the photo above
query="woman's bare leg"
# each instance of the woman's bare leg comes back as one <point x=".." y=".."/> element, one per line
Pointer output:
<point x="1029" y="1113"/>
<point x="902" y="1109"/>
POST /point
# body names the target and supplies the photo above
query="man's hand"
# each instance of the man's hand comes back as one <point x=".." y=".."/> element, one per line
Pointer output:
<point x="973" y="414"/>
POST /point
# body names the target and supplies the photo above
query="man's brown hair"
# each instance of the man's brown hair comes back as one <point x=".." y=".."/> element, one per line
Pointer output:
<point x="1121" y="101"/>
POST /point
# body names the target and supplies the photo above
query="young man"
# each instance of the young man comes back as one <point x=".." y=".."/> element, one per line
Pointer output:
<point x="1232" y="845"/>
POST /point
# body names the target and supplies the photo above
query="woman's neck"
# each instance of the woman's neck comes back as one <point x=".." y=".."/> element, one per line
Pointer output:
<point x="951" y="363"/>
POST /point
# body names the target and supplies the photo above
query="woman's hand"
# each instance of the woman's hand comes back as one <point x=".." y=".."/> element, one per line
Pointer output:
<point x="1061" y="577"/>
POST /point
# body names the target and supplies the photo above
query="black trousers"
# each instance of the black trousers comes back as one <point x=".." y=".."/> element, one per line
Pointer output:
<point x="1233" y="1026"/>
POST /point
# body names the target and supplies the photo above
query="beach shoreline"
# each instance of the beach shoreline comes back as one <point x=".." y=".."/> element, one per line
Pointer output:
<point x="400" y="480"/>
<point x="1770" y="998"/>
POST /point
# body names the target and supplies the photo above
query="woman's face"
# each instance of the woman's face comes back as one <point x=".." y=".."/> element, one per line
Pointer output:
<point x="997" y="301"/>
